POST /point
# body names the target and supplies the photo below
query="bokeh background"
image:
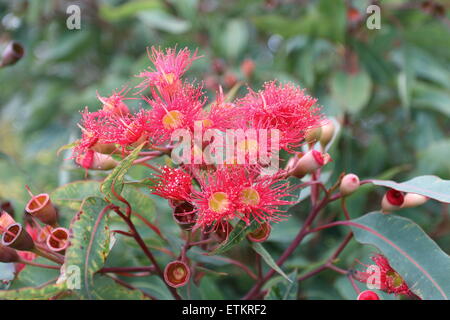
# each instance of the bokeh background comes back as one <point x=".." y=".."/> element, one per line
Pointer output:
<point x="388" y="88"/>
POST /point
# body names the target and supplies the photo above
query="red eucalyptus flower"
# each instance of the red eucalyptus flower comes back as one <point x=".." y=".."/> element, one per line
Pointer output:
<point x="390" y="280"/>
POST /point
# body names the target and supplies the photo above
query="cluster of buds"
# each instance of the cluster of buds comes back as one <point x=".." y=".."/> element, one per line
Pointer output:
<point x="395" y="200"/>
<point x="305" y="163"/>
<point x="23" y="243"/>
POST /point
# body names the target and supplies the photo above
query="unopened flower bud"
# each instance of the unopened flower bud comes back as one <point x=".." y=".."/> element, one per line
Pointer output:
<point x="327" y="133"/>
<point x="368" y="295"/>
<point x="413" y="200"/>
<point x="392" y="200"/>
<point x="309" y="162"/>
<point x="14" y="51"/>
<point x="261" y="234"/>
<point x="58" y="239"/>
<point x="42" y="208"/>
<point x="247" y="68"/>
<point x="104" y="148"/>
<point x="17" y="238"/>
<point x="349" y="184"/>
<point x="313" y="135"/>
<point x="177" y="274"/>
<point x="184" y="215"/>
<point x="96" y="161"/>
<point x="8" y="255"/>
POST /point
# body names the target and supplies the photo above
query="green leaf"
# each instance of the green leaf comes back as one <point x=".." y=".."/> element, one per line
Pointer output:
<point x="89" y="243"/>
<point x="127" y="10"/>
<point x="268" y="258"/>
<point x="31" y="293"/>
<point x="115" y="178"/>
<point x="72" y="194"/>
<point x="410" y="251"/>
<point x="282" y="290"/>
<point x="351" y="91"/>
<point x="161" y="20"/>
<point x="235" y="38"/>
<point x="430" y="186"/>
<point x="236" y="235"/>
<point x="67" y="146"/>
<point x="107" y="289"/>
<point x="140" y="202"/>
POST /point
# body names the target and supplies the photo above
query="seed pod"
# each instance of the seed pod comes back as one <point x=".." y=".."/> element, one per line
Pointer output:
<point x="349" y="184"/>
<point x="8" y="255"/>
<point x="223" y="231"/>
<point x="58" y="240"/>
<point x="14" y="51"/>
<point x="368" y="295"/>
<point x="392" y="200"/>
<point x="184" y="215"/>
<point x="5" y="220"/>
<point x="261" y="234"/>
<point x="177" y="274"/>
<point x="42" y="208"/>
<point x="17" y="238"/>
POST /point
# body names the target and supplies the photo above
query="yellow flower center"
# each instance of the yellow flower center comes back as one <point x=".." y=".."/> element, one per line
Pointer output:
<point x="172" y="120"/>
<point x="218" y="202"/>
<point x="179" y="273"/>
<point x="207" y="123"/>
<point x="249" y="196"/>
<point x="248" y="145"/>
<point x="169" y="77"/>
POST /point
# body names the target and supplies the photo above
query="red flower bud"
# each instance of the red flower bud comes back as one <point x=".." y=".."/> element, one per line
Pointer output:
<point x="42" y="208"/>
<point x="14" y="51"/>
<point x="247" y="68"/>
<point x="177" y="274"/>
<point x="413" y="200"/>
<point x="58" y="239"/>
<point x="368" y="295"/>
<point x="349" y="184"/>
<point x="17" y="238"/>
<point x="96" y="161"/>
<point x="261" y="234"/>
<point x="392" y="200"/>
<point x="8" y="255"/>
<point x="309" y="162"/>
<point x="184" y="214"/>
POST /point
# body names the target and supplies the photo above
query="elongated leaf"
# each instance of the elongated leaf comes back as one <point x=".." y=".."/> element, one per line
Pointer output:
<point x="116" y="176"/>
<point x="430" y="186"/>
<point x="268" y="259"/>
<point x="237" y="235"/>
<point x="351" y="91"/>
<point x="283" y="290"/>
<point x="72" y="194"/>
<point x="89" y="243"/>
<point x="107" y="289"/>
<point x="410" y="251"/>
<point x="31" y="293"/>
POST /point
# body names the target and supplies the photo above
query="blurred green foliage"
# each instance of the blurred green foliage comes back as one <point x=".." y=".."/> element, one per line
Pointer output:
<point x="389" y="88"/>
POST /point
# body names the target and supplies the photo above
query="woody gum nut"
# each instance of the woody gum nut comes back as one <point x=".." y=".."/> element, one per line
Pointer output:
<point x="58" y="239"/>
<point x="392" y="200"/>
<point x="368" y="295"/>
<point x="5" y="219"/>
<point x="14" y="51"/>
<point x="261" y="234"/>
<point x="17" y="238"/>
<point x="413" y="200"/>
<point x="42" y="208"/>
<point x="349" y="184"/>
<point x="177" y="274"/>
<point x="8" y="255"/>
<point x="184" y="215"/>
